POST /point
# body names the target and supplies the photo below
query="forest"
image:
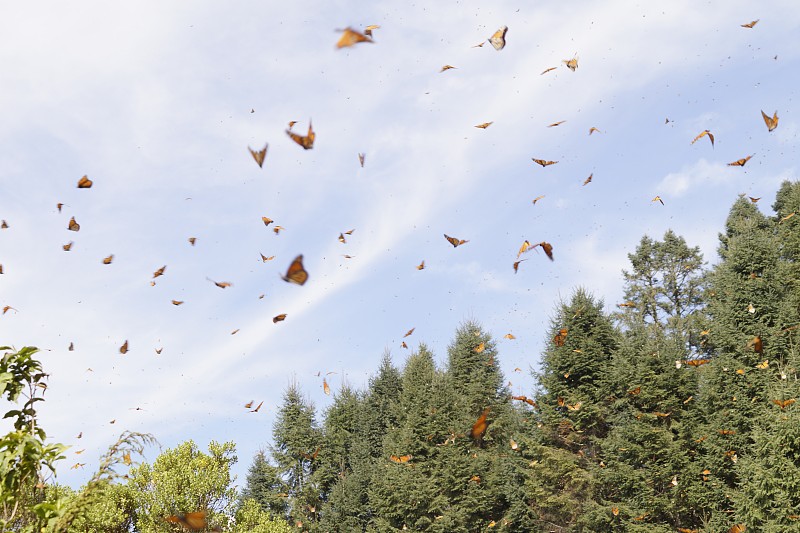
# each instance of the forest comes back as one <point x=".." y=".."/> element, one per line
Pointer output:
<point x="674" y="412"/>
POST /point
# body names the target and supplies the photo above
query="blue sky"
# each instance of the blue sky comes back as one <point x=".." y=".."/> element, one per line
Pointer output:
<point x="153" y="102"/>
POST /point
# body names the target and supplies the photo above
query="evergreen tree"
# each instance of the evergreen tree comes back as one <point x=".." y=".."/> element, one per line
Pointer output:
<point x="265" y="486"/>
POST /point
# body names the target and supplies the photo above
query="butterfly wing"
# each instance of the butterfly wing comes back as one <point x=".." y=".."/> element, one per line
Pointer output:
<point x="296" y="273"/>
<point x="498" y="39"/>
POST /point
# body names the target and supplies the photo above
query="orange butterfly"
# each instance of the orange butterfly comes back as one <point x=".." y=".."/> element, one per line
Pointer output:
<point x="455" y="242"/>
<point x="588" y="180"/>
<point x="190" y="521"/>
<point x="738" y="528"/>
<point x="756" y="344"/>
<point x="192" y="240"/>
<point x="754" y="200"/>
<point x="257" y="407"/>
<point x="593" y="129"/>
<point x="634" y="392"/>
<point x="421" y="266"/>
<point x="479" y="348"/>
<point x="740" y="162"/>
<point x="479" y="427"/>
<point x="279" y="318"/>
<point x="361" y="158"/>
<point x="516" y="265"/>
<point x="560" y="337"/>
<point x="543" y="162"/>
<point x="59" y="205"/>
<point x="727" y="432"/>
<point x="526" y="245"/>
<point x="698" y="362"/>
<point x="409" y="332"/>
<point x="259" y="155"/>
<point x="351" y="37"/>
<point x="526" y="400"/>
<point x="267" y="221"/>
<point x="771" y="123"/>
<point x="658" y="199"/>
<point x="404" y="345"/>
<point x="750" y="25"/>
<point x="545" y="71"/>
<point x="615" y="511"/>
<point x="264" y="258"/>
<point x="177" y="302"/>
<point x="221" y="284"/>
<point x="249" y="404"/>
<point x="73" y="226"/>
<point x="159" y="272"/>
<point x="537" y="199"/>
<point x="85" y="183"/>
<point x="124" y="348"/>
<point x="554" y="124"/>
<point x="787" y="217"/>
<point x="783" y="404"/>
<point x="368" y="29"/>
<point x="498" y="38"/>
<point x="67" y="247"/>
<point x="401" y="459"/>
<point x="509" y="336"/>
<point x="572" y="64"/>
<point x="446" y="67"/>
<point x="108" y="260"/>
<point x="342" y="239"/>
<point x="687" y="530"/>
<point x="325" y="387"/>
<point x="3" y="225"/>
<point x="548" y="249"/>
<point x="307" y="142"/>
<point x="296" y="273"/>
<point x="484" y="125"/>
<point x="703" y="134"/>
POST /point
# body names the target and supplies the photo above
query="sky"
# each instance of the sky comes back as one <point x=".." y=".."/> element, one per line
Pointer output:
<point x="157" y="103"/>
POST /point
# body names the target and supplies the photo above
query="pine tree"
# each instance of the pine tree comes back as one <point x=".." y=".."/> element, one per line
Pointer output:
<point x="265" y="486"/>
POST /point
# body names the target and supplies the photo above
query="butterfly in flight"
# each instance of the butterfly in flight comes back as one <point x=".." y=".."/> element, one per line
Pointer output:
<point x="572" y="64"/>
<point x="221" y="284"/>
<point x="296" y="273"/>
<point x="259" y="155"/>
<point x="658" y="199"/>
<point x="548" y="249"/>
<point x="545" y="71"/>
<point x="543" y="162"/>
<point x="279" y="318"/>
<point x="740" y="162"/>
<point x="447" y="67"/>
<point x="307" y="141"/>
<point x="401" y="458"/>
<point x="108" y="260"/>
<point x="124" y="348"/>
<point x="192" y="240"/>
<point x="498" y="38"/>
<point x="325" y="387"/>
<point x="85" y="183"/>
<point x="361" y="158"/>
<point x="750" y="24"/>
<point x="159" y="272"/>
<point x="190" y="521"/>
<point x="588" y="180"/>
<point x="455" y="242"/>
<point x="368" y="29"/>
<point x="484" y="125"/>
<point x="783" y="404"/>
<point x="409" y="332"/>
<point x="593" y="129"/>
<point x="554" y="124"/>
<point x="350" y="37"/>
<point x="703" y="134"/>
<point x="421" y="266"/>
<point x="560" y="337"/>
<point x="771" y="123"/>
<point x="73" y="225"/>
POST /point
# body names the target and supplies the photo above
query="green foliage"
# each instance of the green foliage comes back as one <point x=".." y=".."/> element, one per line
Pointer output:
<point x="251" y="518"/>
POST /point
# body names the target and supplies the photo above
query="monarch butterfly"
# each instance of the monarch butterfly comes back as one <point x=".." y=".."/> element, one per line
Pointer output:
<point x="572" y="64"/>
<point x="124" y="348"/>
<point x="221" y="284"/>
<point x="361" y="158"/>
<point x="755" y="201"/>
<point x="658" y="199"/>
<point x="73" y="226"/>
<point x="738" y="528"/>
<point x="192" y="240"/>
<point x="421" y="266"/>
<point x="787" y="217"/>
<point x="749" y="25"/>
<point x="177" y="302"/>
<point x="634" y="392"/>
<point x="249" y="404"/>
<point x="560" y="337"/>
<point x="554" y="124"/>
<point x="526" y="245"/>
<point x="351" y="37"/>
<point x="479" y="348"/>
<point x="783" y="404"/>
<point x="325" y="387"/>
<point x="368" y="29"/>
<point x="85" y="183"/>
<point x="516" y="265"/>
<point x="259" y="155"/>
<point x="756" y="344"/>
<point x="509" y="336"/>
<point x="404" y="345"/>
<point x="687" y="530"/>
<point x="545" y="71"/>
<point x="159" y="350"/>
<point x="479" y="427"/>
<point x="257" y="407"/>
<point x="307" y="142"/>
<point x="526" y="400"/>
<point x="771" y="123"/>
<point x="498" y="38"/>
<point x="484" y="125"/>
<point x="615" y="511"/>
<point x="698" y="362"/>
<point x="548" y="249"/>
<point x="537" y="199"/>
<point x="593" y="129"/>
<point x="409" y="332"/>
<point x="342" y="239"/>
<point x="279" y="318"/>
<point x="71" y="347"/>
<point x="703" y="134"/>
<point x="588" y="180"/>
<point x="727" y="432"/>
<point x="447" y="67"/>
<point x="575" y="407"/>
<point x="455" y="242"/>
<point x="543" y="162"/>
<point x="296" y="273"/>
<point x="159" y="272"/>
<point x="191" y="521"/>
<point x="264" y="258"/>
<point x="401" y="459"/>
<point x="740" y="162"/>
<point x="108" y="260"/>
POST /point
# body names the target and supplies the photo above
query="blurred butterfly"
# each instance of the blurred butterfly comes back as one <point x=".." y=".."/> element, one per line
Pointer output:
<point x="67" y="247"/>
<point x="703" y="134"/>
<point x="763" y="365"/>
<point x="479" y="427"/>
<point x="593" y="129"/>
<point x="220" y="284"/>
<point x="259" y="155"/>
<point x="325" y="387"/>
<point x="783" y="404"/>
<point x="543" y="162"/>
<point x="737" y="528"/>
<point x="698" y="362"/>
<point x="257" y="407"/>
<point x="404" y="345"/>
<point x="3" y="225"/>
<point x="548" y="249"/>
<point x="350" y="37"/>
<point x="526" y="245"/>
<point x="545" y="71"/>
<point x="267" y="221"/>
<point x="498" y="38"/>
<point x="771" y="123"/>
<point x="750" y="25"/>
<point x="554" y="124"/>
<point x="124" y="348"/>
<point x="526" y="400"/>
<point x="71" y="347"/>
<point x="249" y="404"/>
<point x="615" y="511"/>
<point x="455" y="242"/>
<point x="277" y="229"/>
<point x="560" y="337"/>
<point x="755" y="201"/>
<point x="342" y="239"/>
<point x="159" y="272"/>
<point x="687" y="530"/>
<point x="479" y="348"/>
<point x="727" y="432"/>
<point x="588" y="180"/>
<point x="73" y="226"/>
<point x="421" y="266"/>
<point x="446" y="67"/>
<point x="177" y="302"/>
<point x="516" y="265"/>
<point x="634" y="392"/>
<point x="361" y="158"/>
<point x="484" y="125"/>
<point x="190" y="521"/>
<point x="537" y="199"/>
<point x="740" y="162"/>
<point x="409" y="332"/>
<point x="8" y="308"/>
<point x="787" y="217"/>
<point x="575" y="407"/>
<point x="159" y="350"/>
<point x="368" y="29"/>
<point x="509" y="336"/>
<point x="307" y="142"/>
<point x="312" y="456"/>
<point x="401" y="459"/>
<point x="192" y="240"/>
<point x="658" y="199"/>
<point x="85" y="183"/>
<point x="572" y="64"/>
<point x="279" y="318"/>
<point x="296" y="273"/>
<point x="108" y="260"/>
<point x="756" y="344"/>
<point x="264" y="258"/>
